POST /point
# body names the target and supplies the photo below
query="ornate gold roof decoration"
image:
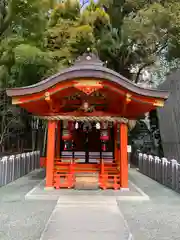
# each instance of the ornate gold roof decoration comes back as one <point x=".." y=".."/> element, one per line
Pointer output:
<point x="128" y="97"/>
<point x="47" y="96"/>
<point x="15" y="100"/>
<point x="159" y="103"/>
<point x="88" y="86"/>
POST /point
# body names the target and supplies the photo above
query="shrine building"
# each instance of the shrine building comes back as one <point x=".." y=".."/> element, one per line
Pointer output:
<point x="87" y="108"/>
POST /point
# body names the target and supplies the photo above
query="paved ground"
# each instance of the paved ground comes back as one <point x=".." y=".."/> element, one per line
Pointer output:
<point x="157" y="219"/>
<point x="39" y="192"/>
<point x="20" y="219"/>
<point x="84" y="217"/>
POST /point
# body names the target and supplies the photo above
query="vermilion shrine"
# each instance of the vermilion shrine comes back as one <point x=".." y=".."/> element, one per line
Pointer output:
<point x="87" y="107"/>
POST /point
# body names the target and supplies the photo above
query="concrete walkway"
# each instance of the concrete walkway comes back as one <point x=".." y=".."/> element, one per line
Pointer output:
<point x="21" y="219"/>
<point x="157" y="219"/>
<point x="89" y="217"/>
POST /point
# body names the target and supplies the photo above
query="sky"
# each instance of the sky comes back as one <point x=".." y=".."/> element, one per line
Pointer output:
<point x="81" y="1"/>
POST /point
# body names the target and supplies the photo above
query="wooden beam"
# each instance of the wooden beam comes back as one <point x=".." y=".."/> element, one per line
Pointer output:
<point x="58" y="139"/>
<point x="91" y="114"/>
<point x="54" y="106"/>
<point x="50" y="153"/>
<point x="123" y="156"/>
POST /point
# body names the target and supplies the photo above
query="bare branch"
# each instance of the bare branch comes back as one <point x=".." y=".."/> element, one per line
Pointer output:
<point x="4" y="131"/>
<point x="158" y="48"/>
<point x="141" y="68"/>
<point x="84" y="2"/>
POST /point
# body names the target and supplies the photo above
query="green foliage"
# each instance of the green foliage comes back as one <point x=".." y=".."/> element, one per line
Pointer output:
<point x="30" y="65"/>
<point x="125" y="33"/>
<point x="22" y="57"/>
<point x="36" y="42"/>
<point x="67" y="10"/>
<point x="38" y="38"/>
<point x="80" y="39"/>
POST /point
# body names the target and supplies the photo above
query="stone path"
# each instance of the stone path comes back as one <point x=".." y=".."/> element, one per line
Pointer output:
<point x="157" y="219"/>
<point x="90" y="218"/>
<point x="21" y="219"/>
<point x="88" y="215"/>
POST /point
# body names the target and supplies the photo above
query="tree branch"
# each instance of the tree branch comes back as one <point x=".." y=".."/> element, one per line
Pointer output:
<point x="140" y="70"/>
<point x="84" y="2"/>
<point x="157" y="51"/>
<point x="8" y="18"/>
<point x="4" y="131"/>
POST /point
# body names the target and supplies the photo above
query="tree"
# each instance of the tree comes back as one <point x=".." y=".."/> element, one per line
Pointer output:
<point x="23" y="60"/>
<point x="22" y="25"/>
<point x="38" y="38"/>
<point x="125" y="33"/>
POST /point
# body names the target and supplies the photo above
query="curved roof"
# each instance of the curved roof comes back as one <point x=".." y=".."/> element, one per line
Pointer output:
<point x="87" y="66"/>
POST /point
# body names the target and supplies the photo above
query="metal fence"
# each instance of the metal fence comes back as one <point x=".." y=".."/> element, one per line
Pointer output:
<point x="160" y="169"/>
<point x="15" y="166"/>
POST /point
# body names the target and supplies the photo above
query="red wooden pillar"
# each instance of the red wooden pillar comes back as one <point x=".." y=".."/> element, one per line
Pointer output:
<point x="123" y="156"/>
<point x="50" y="153"/>
<point x="58" y="140"/>
<point x="115" y="143"/>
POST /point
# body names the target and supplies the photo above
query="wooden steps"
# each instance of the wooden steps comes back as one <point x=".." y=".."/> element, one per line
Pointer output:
<point x="86" y="176"/>
<point x="85" y="181"/>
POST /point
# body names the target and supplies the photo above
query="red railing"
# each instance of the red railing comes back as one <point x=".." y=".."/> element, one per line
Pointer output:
<point x="109" y="177"/>
<point x="66" y="169"/>
<point x="64" y="173"/>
